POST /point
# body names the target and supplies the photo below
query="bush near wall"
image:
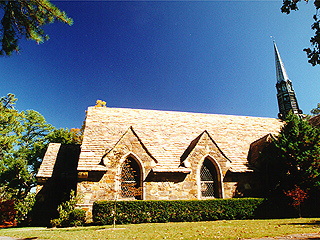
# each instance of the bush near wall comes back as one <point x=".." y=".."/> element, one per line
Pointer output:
<point x="279" y="206"/>
<point x="174" y="211"/>
<point x="7" y="213"/>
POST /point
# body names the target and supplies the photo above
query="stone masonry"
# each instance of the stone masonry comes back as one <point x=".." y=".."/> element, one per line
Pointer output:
<point x="173" y="152"/>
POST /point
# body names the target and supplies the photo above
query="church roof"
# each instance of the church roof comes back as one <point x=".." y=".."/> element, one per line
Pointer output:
<point x="49" y="160"/>
<point x="59" y="159"/>
<point x="168" y="134"/>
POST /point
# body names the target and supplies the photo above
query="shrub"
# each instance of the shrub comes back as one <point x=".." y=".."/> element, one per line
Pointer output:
<point x="24" y="208"/>
<point x="7" y="213"/>
<point x="77" y="217"/>
<point x="69" y="215"/>
<point x="174" y="211"/>
<point x="16" y="212"/>
<point x="73" y="218"/>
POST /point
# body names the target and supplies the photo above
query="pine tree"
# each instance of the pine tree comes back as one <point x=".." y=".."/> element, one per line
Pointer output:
<point x="312" y="53"/>
<point x="296" y="155"/>
<point x="9" y="124"/>
<point x="25" y="18"/>
<point x="24" y="137"/>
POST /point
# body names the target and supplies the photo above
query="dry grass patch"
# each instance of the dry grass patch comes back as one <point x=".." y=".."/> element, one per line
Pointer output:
<point x="231" y="229"/>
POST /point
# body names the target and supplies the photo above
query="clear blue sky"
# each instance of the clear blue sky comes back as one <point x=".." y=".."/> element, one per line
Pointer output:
<point x="196" y="56"/>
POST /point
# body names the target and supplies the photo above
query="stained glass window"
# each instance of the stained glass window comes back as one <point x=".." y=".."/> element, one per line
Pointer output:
<point x="131" y="179"/>
<point x="209" y="180"/>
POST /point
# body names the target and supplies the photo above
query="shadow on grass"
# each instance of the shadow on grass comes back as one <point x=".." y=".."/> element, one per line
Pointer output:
<point x="312" y="223"/>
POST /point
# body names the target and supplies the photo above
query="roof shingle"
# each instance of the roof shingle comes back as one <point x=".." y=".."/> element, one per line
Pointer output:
<point x="167" y="134"/>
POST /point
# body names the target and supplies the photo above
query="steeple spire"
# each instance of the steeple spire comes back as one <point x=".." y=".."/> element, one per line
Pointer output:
<point x="280" y="70"/>
<point x="287" y="100"/>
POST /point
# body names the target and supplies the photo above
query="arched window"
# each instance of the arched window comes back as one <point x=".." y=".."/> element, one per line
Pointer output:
<point x="130" y="179"/>
<point x="209" y="182"/>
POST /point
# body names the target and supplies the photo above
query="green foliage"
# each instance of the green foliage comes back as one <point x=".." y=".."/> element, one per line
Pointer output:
<point x="15" y="178"/>
<point x="13" y="170"/>
<point x="297" y="150"/>
<point x="314" y="53"/>
<point x="8" y="101"/>
<point x="9" y="123"/>
<point x="24" y="137"/>
<point x="65" y="136"/>
<point x="23" y="209"/>
<point x="32" y="141"/>
<point x="74" y="218"/>
<point x="69" y="215"/>
<point x="25" y="18"/>
<point x="174" y="211"/>
<point x="291" y="165"/>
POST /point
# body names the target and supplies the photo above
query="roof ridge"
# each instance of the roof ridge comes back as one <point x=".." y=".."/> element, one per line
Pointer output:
<point x="177" y="111"/>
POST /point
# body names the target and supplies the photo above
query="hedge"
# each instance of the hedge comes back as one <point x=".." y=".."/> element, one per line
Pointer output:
<point x="174" y="211"/>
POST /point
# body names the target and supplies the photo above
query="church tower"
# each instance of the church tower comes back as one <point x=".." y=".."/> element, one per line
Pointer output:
<point x="287" y="100"/>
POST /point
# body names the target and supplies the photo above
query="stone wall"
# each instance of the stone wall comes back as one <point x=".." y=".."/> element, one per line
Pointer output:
<point x="166" y="185"/>
<point x="95" y="186"/>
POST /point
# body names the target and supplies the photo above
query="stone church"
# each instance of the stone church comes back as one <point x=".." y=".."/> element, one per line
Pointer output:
<point x="133" y="154"/>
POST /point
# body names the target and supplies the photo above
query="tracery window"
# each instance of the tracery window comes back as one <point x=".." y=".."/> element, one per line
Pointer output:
<point x="209" y="180"/>
<point x="130" y="179"/>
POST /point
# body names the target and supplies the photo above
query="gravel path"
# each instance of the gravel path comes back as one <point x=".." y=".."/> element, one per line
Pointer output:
<point x="7" y="238"/>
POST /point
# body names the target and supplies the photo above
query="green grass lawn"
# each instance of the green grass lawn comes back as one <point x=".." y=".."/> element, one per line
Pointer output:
<point x="232" y="229"/>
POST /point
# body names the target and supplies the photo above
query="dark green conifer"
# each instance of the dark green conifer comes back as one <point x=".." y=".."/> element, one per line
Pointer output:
<point x="24" y="19"/>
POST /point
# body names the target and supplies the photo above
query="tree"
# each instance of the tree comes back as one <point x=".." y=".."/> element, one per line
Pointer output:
<point x="9" y="124"/>
<point x="298" y="196"/>
<point x="22" y="159"/>
<point x="295" y="158"/>
<point x="32" y="141"/>
<point x="25" y="18"/>
<point x="100" y="103"/>
<point x="24" y="137"/>
<point x="65" y="136"/>
<point x="314" y="53"/>
<point x="23" y="142"/>
<point x="316" y="110"/>
<point x="290" y="166"/>
<point x="8" y="101"/>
